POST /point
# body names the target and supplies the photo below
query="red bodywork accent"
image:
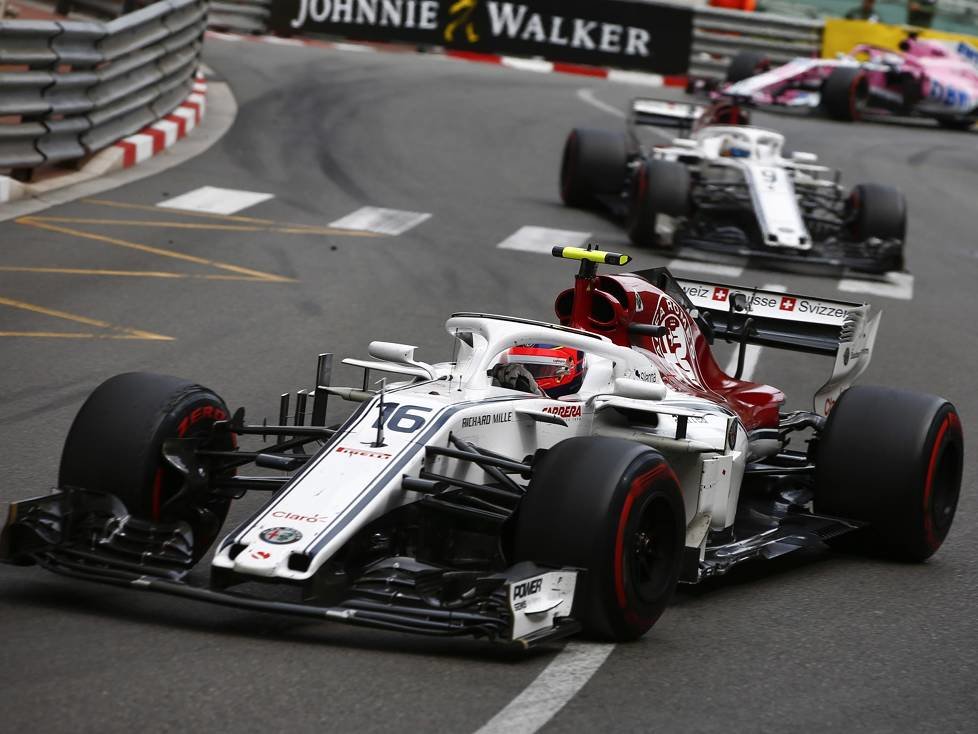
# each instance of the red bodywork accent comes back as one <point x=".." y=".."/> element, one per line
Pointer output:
<point x="607" y="304"/>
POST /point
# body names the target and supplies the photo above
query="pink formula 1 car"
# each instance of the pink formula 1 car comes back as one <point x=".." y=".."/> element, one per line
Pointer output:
<point x="926" y="78"/>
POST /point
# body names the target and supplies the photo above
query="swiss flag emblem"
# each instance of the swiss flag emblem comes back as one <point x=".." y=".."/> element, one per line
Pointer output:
<point x="720" y="294"/>
<point x="788" y="303"/>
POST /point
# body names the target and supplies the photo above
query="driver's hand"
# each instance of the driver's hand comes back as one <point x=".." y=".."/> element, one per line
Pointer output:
<point x="515" y="377"/>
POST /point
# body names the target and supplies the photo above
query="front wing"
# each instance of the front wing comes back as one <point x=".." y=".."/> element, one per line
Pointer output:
<point x="91" y="536"/>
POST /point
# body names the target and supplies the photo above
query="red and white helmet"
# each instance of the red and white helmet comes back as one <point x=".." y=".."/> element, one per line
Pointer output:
<point x="557" y="370"/>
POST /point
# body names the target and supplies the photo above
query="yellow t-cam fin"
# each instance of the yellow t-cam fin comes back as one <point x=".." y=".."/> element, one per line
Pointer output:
<point x="595" y="256"/>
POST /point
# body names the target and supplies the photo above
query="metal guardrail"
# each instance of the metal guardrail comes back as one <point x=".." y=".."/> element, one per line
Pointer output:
<point x="719" y="34"/>
<point x="240" y="16"/>
<point x="70" y="88"/>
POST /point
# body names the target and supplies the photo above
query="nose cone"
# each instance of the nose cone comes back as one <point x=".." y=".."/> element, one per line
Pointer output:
<point x="269" y="552"/>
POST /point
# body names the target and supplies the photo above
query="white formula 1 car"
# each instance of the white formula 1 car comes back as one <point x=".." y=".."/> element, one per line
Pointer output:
<point x="731" y="189"/>
<point x="547" y="479"/>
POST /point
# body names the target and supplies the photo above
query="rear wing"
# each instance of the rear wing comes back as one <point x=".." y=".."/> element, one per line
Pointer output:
<point x="681" y="116"/>
<point x="843" y="330"/>
<point x="684" y="117"/>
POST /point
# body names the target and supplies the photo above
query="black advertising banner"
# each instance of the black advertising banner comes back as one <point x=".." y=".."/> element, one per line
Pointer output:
<point x="616" y="33"/>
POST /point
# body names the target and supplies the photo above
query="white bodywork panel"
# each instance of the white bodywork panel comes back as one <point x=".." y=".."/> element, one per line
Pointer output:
<point x="754" y="155"/>
<point x="353" y="481"/>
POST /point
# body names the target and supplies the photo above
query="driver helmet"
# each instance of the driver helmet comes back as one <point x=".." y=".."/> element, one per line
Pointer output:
<point x="557" y="370"/>
<point x="731" y="149"/>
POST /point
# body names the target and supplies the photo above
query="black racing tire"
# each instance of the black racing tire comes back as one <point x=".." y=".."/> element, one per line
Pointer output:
<point x="844" y="92"/>
<point x="877" y="210"/>
<point x="612" y="508"/>
<point x="593" y="163"/>
<point x="893" y="459"/>
<point x="956" y="123"/>
<point x="658" y="188"/>
<point x="746" y="64"/>
<point x="115" y="445"/>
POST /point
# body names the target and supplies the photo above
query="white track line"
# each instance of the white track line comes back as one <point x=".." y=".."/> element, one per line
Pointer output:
<point x="381" y="221"/>
<point x="215" y="200"/>
<point x="753" y="352"/>
<point x="587" y="96"/>
<point x="550" y="691"/>
<point x="542" y="240"/>
<point x="698" y="266"/>
<point x="895" y="285"/>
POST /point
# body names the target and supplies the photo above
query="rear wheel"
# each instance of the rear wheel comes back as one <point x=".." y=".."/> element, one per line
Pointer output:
<point x="658" y="188"/>
<point x="614" y="509"/>
<point x="115" y="445"/>
<point x="593" y="164"/>
<point x="746" y="64"/>
<point x="956" y="123"/>
<point x="844" y="93"/>
<point x="893" y="459"/>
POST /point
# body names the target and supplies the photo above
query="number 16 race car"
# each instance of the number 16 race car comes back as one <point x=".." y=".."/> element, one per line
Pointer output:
<point x="547" y="479"/>
<point x="730" y="189"/>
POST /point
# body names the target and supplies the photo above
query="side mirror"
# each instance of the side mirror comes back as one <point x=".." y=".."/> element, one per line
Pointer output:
<point x="626" y="387"/>
<point x="801" y="157"/>
<point x="399" y="354"/>
<point x="392" y="352"/>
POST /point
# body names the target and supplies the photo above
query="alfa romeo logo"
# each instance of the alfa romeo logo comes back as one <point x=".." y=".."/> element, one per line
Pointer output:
<point x="280" y="536"/>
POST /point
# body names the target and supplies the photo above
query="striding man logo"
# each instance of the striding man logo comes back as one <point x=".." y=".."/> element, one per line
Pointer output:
<point x="461" y="17"/>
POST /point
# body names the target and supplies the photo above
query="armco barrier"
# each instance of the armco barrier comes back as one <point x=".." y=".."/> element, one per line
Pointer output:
<point x="241" y="16"/>
<point x="73" y="87"/>
<point x="719" y="34"/>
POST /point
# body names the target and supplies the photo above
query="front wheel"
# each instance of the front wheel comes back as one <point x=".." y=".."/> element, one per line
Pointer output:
<point x="844" y="93"/>
<point x="879" y="211"/>
<point x="115" y="445"/>
<point x="892" y="459"/>
<point x="612" y="508"/>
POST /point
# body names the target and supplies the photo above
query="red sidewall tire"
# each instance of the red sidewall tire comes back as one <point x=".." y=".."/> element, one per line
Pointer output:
<point x="892" y="459"/>
<point x="614" y="509"/>
<point x="115" y="445"/>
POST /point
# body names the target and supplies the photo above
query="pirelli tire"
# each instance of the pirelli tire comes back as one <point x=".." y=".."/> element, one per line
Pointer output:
<point x="954" y="122"/>
<point x="659" y="188"/>
<point x="892" y="459"/>
<point x="746" y="64"/>
<point x="115" y="445"/>
<point x="612" y="508"/>
<point x="844" y="93"/>
<point x="592" y="165"/>
<point x="880" y="211"/>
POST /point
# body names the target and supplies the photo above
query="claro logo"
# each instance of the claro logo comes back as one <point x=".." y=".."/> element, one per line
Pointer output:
<point x="283" y="515"/>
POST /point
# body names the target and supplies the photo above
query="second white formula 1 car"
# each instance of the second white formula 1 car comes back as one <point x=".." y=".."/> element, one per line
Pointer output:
<point x="731" y="189"/>
<point x="546" y="479"/>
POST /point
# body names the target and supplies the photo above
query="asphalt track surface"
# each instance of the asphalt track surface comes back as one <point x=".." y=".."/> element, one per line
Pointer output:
<point x="818" y="643"/>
